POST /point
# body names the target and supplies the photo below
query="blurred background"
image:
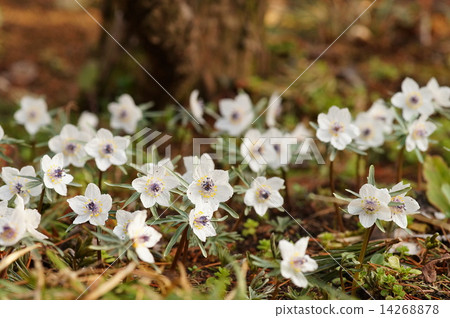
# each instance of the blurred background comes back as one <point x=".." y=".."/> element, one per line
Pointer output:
<point x="55" y="49"/>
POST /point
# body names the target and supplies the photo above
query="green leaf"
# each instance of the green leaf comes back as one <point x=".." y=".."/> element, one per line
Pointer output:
<point x="154" y="212"/>
<point x="377" y="259"/>
<point x="200" y="245"/>
<point x="394" y="262"/>
<point x="380" y="226"/>
<point x="353" y="192"/>
<point x="398" y="192"/>
<point x="174" y="238"/>
<point x="333" y="153"/>
<point x="446" y="191"/>
<point x="419" y="155"/>
<point x="371" y="176"/>
<point x="74" y="184"/>
<point x="313" y="125"/>
<point x="6" y="158"/>
<point x="33" y="184"/>
<point x="131" y="199"/>
<point x="356" y="150"/>
<point x="120" y="185"/>
<point x="229" y="210"/>
<point x="393" y="203"/>
<point x="30" y="177"/>
<point x="436" y="173"/>
<point x="340" y="197"/>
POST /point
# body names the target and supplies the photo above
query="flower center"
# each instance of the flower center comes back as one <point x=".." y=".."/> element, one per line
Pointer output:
<point x="123" y="114"/>
<point x="235" y="116"/>
<point x="419" y="132"/>
<point x="371" y="205"/>
<point x="155" y="187"/>
<point x="201" y="221"/>
<point x="336" y="128"/>
<point x="108" y="149"/>
<point x="263" y="195"/>
<point x="297" y="262"/>
<point x="277" y="148"/>
<point x="32" y="115"/>
<point x="143" y="239"/>
<point x="207" y="184"/>
<point x="366" y="132"/>
<point x="93" y="208"/>
<point x="208" y="188"/>
<point x="8" y="233"/>
<point x="70" y="148"/>
<point x="58" y="173"/>
<point x="414" y="100"/>
<point x="18" y="188"/>
<point x="398" y="209"/>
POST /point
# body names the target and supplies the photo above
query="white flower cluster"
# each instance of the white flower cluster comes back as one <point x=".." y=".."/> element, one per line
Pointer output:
<point x="374" y="204"/>
<point x="370" y="128"/>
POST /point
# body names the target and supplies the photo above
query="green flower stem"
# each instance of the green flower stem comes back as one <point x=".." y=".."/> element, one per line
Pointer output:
<point x="238" y="221"/>
<point x="100" y="177"/>
<point x="180" y="247"/>
<point x="358" y="175"/>
<point x="400" y="159"/>
<point x="41" y="201"/>
<point x="99" y="252"/>
<point x="288" y="197"/>
<point x="419" y="176"/>
<point x="33" y="149"/>
<point x="338" y="216"/>
<point x="362" y="255"/>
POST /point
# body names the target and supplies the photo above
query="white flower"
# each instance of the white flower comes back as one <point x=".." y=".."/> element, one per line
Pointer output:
<point x="2" y="133"/>
<point x="33" y="114"/>
<point x="16" y="185"/>
<point x="165" y="163"/>
<point x="4" y="210"/>
<point x="281" y="143"/>
<point x="301" y="132"/>
<point x="125" y="114"/>
<point x="143" y="237"/>
<point x="413" y="99"/>
<point x="190" y="162"/>
<point x="93" y="206"/>
<point x="371" y="135"/>
<point x="70" y="142"/>
<point x="383" y="114"/>
<point x="371" y="205"/>
<point x="336" y="128"/>
<point x="200" y="221"/>
<point x="155" y="186"/>
<point x="440" y="94"/>
<point x="295" y="262"/>
<point x="32" y="221"/>
<point x="418" y="133"/>
<point x="107" y="149"/>
<point x="264" y="193"/>
<point x="13" y="225"/>
<point x="210" y="186"/>
<point x="196" y="106"/>
<point x="55" y="177"/>
<point x="88" y="123"/>
<point x="257" y="151"/>
<point x="124" y="218"/>
<point x="407" y="205"/>
<point x="237" y="114"/>
<point x="273" y="109"/>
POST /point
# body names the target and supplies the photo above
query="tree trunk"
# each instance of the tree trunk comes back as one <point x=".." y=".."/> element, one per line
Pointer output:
<point x="184" y="44"/>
